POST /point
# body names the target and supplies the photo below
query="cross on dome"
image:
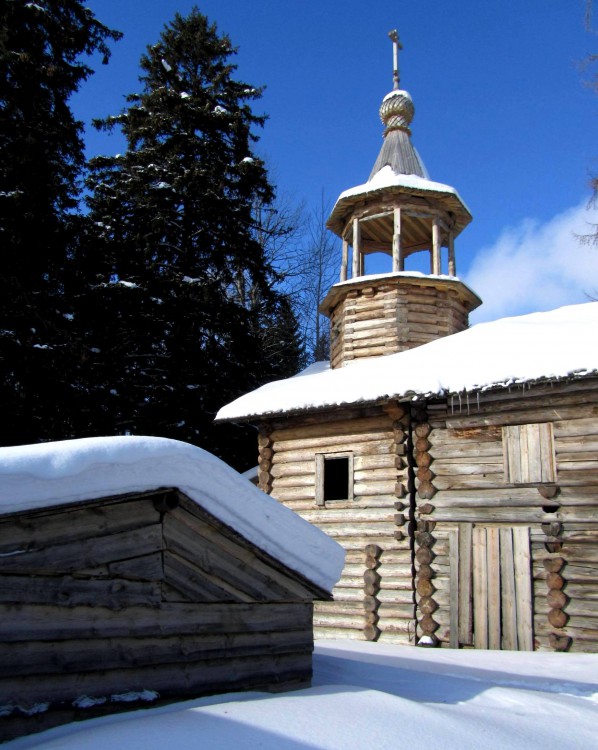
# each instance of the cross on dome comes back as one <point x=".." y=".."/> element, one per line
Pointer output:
<point x="396" y="46"/>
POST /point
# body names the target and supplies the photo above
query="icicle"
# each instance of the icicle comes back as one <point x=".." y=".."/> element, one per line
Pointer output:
<point x="478" y="399"/>
<point x="460" y="404"/>
<point x="452" y="403"/>
<point x="467" y="401"/>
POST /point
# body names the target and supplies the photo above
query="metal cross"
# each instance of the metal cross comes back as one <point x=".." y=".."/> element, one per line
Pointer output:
<point x="396" y="46"/>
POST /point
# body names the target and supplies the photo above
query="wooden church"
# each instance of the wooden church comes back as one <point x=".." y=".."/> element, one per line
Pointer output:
<point x="457" y="467"/>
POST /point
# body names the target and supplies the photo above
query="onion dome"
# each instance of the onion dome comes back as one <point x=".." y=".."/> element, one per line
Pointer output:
<point x="397" y="152"/>
<point x="397" y="110"/>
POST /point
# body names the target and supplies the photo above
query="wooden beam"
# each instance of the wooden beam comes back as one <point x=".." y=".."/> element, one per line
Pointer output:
<point x="370" y="217"/>
<point x="356" y="248"/>
<point x="436" y="246"/>
<point x="452" y="266"/>
<point x="398" y="262"/>
<point x="344" y="260"/>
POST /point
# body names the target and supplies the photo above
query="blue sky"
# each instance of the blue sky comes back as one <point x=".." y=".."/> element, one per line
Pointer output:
<point x="502" y="114"/>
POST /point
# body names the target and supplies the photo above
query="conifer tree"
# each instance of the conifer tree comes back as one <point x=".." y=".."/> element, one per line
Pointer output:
<point x="41" y="157"/>
<point x="180" y="315"/>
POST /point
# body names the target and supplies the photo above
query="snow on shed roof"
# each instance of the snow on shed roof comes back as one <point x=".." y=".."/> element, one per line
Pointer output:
<point x="52" y="474"/>
<point x="539" y="346"/>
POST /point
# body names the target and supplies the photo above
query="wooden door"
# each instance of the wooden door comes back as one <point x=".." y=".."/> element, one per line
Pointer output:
<point x="491" y="587"/>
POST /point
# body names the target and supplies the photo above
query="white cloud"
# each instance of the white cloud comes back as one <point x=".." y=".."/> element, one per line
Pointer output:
<point x="534" y="267"/>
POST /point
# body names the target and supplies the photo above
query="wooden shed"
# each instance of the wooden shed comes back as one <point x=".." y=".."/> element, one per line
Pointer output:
<point x="457" y="466"/>
<point x="135" y="570"/>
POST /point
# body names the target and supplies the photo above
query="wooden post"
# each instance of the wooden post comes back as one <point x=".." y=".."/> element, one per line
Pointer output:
<point x="452" y="266"/>
<point x="398" y="262"/>
<point x="356" y="248"/>
<point x="436" y="246"/>
<point x="344" y="260"/>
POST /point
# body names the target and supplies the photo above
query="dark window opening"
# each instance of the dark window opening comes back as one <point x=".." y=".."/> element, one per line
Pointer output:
<point x="336" y="478"/>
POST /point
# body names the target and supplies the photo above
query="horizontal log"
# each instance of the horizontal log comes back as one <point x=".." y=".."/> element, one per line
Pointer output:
<point x="396" y="625"/>
<point x="359" y="540"/>
<point x="353" y="427"/>
<point x="86" y="553"/>
<point x="174" y="680"/>
<point x="322" y="619"/>
<point x="60" y="657"/>
<point x="362" y="443"/>
<point x="517" y="399"/>
<point x="383" y="448"/>
<point x="48" y="623"/>
<point x="373" y="501"/>
<point x="576" y="428"/>
<point x="328" y="633"/>
<point x="369" y="488"/>
<point x="465" y="468"/>
<point x="352" y="608"/>
<point x="522" y="415"/>
<point x="508" y="515"/>
<point x="114" y="593"/>
<point x="368" y="533"/>
<point x="58" y="526"/>
<point x="469" y="481"/>
<point x="342" y="594"/>
<point x="352" y="515"/>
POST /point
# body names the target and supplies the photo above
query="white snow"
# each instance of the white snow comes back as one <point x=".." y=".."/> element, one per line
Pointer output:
<point x="167" y="67"/>
<point x="398" y="274"/>
<point x="248" y="160"/>
<point x="218" y="110"/>
<point x="387" y="178"/>
<point x="397" y="92"/>
<point x="546" y="345"/>
<point x="372" y="695"/>
<point x="184" y="95"/>
<point x="51" y="474"/>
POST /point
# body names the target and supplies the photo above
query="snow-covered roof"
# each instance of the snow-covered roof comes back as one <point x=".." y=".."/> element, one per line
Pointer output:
<point x="52" y="474"/>
<point x="387" y="178"/>
<point x="548" y="345"/>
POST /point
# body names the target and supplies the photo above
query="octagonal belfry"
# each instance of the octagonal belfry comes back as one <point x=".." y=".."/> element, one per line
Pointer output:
<point x="399" y="211"/>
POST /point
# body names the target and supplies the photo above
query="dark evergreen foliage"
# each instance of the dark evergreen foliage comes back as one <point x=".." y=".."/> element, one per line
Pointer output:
<point x="41" y="157"/>
<point x="180" y="313"/>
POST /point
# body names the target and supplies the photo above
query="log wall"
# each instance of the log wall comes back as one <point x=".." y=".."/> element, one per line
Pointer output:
<point x="480" y="511"/>
<point x="467" y="491"/>
<point x="136" y="594"/>
<point x="374" y="598"/>
<point x="376" y="317"/>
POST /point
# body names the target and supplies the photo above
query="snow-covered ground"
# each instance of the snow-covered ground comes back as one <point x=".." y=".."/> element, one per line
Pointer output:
<point x="370" y="695"/>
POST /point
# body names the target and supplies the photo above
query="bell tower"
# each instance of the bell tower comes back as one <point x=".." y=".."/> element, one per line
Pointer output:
<point x="399" y="211"/>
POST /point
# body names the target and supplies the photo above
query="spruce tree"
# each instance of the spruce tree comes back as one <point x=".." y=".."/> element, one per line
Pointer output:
<point x="41" y="158"/>
<point x="181" y="315"/>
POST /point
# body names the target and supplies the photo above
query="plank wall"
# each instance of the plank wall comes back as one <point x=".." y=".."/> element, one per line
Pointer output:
<point x="470" y="487"/>
<point x="374" y="597"/>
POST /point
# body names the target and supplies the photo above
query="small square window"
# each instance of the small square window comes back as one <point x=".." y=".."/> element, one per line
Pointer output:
<point x="334" y="477"/>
